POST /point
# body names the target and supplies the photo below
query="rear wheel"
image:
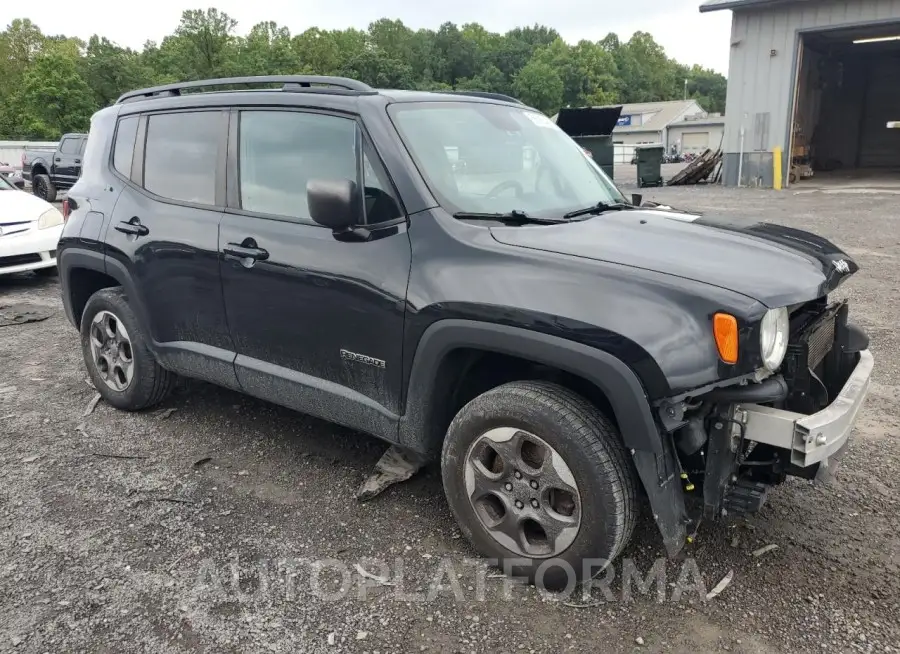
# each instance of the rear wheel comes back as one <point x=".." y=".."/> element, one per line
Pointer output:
<point x="122" y="368"/>
<point x="43" y="187"/>
<point x="537" y="478"/>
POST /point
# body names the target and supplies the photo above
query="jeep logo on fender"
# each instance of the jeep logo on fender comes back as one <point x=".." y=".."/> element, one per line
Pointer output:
<point x="361" y="358"/>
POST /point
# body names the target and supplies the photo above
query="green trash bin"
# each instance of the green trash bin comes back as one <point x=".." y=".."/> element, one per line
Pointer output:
<point x="592" y="128"/>
<point x="649" y="165"/>
<point x="601" y="149"/>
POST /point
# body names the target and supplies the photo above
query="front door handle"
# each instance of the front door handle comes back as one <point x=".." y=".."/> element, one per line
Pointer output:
<point x="133" y="227"/>
<point x="78" y="161"/>
<point x="245" y="250"/>
<point x="57" y="160"/>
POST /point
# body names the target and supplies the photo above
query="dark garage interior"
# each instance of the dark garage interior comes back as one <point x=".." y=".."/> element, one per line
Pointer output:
<point x="848" y="91"/>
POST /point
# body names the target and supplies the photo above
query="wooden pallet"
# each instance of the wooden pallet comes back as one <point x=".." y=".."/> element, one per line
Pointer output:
<point x="708" y="164"/>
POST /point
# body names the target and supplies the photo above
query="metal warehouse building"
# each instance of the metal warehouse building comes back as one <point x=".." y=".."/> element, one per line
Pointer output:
<point x="812" y="86"/>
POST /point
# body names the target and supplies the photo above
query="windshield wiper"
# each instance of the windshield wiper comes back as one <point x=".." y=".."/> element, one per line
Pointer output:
<point x="516" y="216"/>
<point x="599" y="208"/>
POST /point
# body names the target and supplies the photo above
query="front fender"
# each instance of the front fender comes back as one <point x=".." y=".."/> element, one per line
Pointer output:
<point x="615" y="379"/>
<point x="652" y="450"/>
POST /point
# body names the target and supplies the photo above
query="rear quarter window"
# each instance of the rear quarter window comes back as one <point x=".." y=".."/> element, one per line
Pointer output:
<point x="123" y="150"/>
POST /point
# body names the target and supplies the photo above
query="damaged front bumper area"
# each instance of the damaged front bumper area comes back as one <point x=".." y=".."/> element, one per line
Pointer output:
<point x="738" y="441"/>
<point x="811" y="439"/>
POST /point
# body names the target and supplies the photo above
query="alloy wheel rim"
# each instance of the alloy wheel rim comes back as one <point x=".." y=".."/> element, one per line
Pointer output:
<point x="522" y="492"/>
<point x="111" y="351"/>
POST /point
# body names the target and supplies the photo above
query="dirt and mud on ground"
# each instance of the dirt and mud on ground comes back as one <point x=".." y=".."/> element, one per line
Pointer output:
<point x="127" y="532"/>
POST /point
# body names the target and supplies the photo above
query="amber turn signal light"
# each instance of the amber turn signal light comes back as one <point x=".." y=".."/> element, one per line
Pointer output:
<point x="725" y="330"/>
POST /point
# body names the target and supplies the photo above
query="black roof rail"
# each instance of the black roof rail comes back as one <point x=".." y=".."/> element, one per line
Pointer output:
<point x="289" y="82"/>
<point x="485" y="94"/>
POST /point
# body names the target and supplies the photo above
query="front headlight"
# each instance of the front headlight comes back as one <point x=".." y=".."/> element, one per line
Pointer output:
<point x="773" y="337"/>
<point x="50" y="218"/>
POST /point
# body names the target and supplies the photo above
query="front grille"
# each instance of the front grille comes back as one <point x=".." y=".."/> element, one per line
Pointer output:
<point x="820" y="341"/>
<point x="19" y="260"/>
<point x="806" y="365"/>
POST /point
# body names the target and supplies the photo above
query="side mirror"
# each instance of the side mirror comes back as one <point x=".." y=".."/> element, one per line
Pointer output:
<point x="334" y="203"/>
<point x="637" y="199"/>
<point x="19" y="183"/>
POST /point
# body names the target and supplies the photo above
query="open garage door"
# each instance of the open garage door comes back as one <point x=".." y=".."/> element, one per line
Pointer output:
<point x="848" y="90"/>
<point x="880" y="147"/>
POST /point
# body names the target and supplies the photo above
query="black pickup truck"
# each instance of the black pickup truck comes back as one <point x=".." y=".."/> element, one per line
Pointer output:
<point x="52" y="171"/>
<point x="454" y="275"/>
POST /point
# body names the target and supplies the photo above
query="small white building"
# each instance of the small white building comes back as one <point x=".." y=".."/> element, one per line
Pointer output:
<point x="667" y="124"/>
<point x="694" y="134"/>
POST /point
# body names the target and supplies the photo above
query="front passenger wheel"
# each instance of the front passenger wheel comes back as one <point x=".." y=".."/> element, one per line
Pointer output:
<point x="538" y="479"/>
<point x="121" y="367"/>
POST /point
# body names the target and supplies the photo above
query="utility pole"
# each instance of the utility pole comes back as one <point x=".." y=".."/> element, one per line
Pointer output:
<point x="685" y="88"/>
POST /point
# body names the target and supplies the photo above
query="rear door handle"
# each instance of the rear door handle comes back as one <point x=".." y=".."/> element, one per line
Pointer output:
<point x="78" y="161"/>
<point x="245" y="250"/>
<point x="133" y="227"/>
<point x="57" y="160"/>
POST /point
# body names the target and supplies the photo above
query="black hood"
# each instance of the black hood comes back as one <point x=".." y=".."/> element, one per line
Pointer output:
<point x="776" y="265"/>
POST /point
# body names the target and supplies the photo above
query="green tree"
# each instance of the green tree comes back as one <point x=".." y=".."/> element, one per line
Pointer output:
<point x="203" y="45"/>
<point x="707" y="87"/>
<point x="54" y="98"/>
<point x="540" y="86"/>
<point x="588" y="72"/>
<point x="267" y="50"/>
<point x="110" y="70"/>
<point x="377" y="69"/>
<point x="532" y="62"/>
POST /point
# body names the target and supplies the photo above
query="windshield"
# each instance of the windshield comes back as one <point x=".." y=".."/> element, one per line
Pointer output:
<point x="492" y="158"/>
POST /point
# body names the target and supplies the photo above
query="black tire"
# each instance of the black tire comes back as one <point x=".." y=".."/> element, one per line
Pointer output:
<point x="43" y="187"/>
<point x="591" y="447"/>
<point x="150" y="383"/>
<point x="52" y="271"/>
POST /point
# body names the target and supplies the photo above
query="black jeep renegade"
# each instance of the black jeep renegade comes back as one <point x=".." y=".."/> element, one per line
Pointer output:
<point x="452" y="274"/>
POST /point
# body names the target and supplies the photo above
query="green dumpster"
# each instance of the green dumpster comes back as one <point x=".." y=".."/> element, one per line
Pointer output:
<point x="649" y="165"/>
<point x="601" y="149"/>
<point x="591" y="128"/>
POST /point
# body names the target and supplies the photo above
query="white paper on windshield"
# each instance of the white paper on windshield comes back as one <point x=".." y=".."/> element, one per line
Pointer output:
<point x="539" y="119"/>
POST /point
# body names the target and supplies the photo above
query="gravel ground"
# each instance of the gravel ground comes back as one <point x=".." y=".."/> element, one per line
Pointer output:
<point x="202" y="540"/>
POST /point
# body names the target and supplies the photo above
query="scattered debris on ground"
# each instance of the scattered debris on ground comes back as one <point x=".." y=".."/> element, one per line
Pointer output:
<point x="21" y="314"/>
<point x="394" y="466"/>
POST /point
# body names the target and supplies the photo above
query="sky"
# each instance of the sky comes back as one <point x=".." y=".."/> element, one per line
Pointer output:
<point x="685" y="33"/>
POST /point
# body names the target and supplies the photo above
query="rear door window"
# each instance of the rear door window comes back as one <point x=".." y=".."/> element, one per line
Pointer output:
<point x="69" y="145"/>
<point x="181" y="155"/>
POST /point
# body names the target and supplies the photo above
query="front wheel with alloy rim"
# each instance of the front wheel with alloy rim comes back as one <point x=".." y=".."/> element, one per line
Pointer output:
<point x="121" y="367"/>
<point x="539" y="480"/>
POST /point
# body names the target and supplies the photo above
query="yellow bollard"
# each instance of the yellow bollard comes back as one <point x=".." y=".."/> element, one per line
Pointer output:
<point x="777" y="176"/>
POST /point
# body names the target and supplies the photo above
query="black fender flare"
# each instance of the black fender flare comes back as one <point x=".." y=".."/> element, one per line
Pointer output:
<point x="42" y="166"/>
<point x="69" y="259"/>
<point x="75" y="257"/>
<point x="651" y="449"/>
<point x="610" y="374"/>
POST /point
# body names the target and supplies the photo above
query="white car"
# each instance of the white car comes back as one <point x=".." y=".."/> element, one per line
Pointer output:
<point x="29" y="231"/>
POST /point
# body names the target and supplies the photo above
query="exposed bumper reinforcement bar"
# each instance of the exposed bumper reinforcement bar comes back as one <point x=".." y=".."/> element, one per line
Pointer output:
<point x="811" y="439"/>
